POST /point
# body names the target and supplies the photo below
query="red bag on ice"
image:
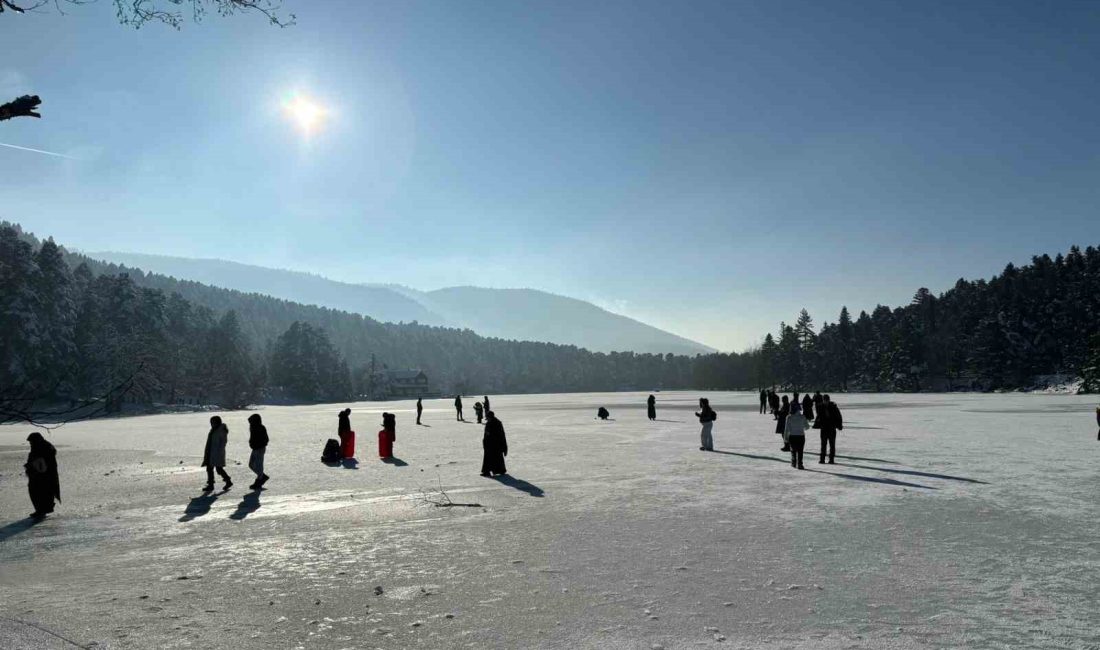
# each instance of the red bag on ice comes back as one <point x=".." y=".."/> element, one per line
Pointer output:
<point x="347" y="444"/>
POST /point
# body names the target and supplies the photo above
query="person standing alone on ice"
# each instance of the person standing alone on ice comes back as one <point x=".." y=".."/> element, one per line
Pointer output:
<point x="651" y="408"/>
<point x="495" y="446"/>
<point x="213" y="457"/>
<point x="706" y="416"/>
<point x="829" y="420"/>
<point x="458" y="408"/>
<point x="42" y="481"/>
<point x="763" y="401"/>
<point x="257" y="442"/>
<point x="419" y="408"/>
<point x="794" y="434"/>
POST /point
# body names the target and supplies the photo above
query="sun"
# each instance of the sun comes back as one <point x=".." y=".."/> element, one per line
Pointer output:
<point x="306" y="113"/>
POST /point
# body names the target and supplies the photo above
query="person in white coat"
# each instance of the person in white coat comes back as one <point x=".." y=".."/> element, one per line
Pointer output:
<point x="213" y="457"/>
<point x="794" y="434"/>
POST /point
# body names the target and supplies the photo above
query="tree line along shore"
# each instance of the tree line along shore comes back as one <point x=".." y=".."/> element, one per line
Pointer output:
<point x="73" y="328"/>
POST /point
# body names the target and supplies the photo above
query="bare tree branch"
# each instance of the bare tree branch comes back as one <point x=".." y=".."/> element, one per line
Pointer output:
<point x="440" y="499"/>
<point x="170" y="12"/>
<point x="138" y="12"/>
<point x="20" y="405"/>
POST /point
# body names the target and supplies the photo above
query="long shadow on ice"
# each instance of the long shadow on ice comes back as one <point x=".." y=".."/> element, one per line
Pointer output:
<point x="869" y="460"/>
<point x="872" y="479"/>
<point x="753" y="456"/>
<point x="520" y="485"/>
<point x="395" y="461"/>
<point x="16" y="527"/>
<point x="249" y="504"/>
<point x="199" y="506"/>
<point x="853" y="477"/>
<point x="913" y="472"/>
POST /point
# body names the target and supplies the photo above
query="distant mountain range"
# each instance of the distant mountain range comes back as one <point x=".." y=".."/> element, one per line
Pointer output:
<point x="516" y="314"/>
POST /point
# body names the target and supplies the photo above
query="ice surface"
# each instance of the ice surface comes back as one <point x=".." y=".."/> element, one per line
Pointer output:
<point x="948" y="521"/>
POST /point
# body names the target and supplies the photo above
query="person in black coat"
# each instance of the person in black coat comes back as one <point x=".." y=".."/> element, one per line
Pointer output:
<point x="706" y="416"/>
<point x="808" y="407"/>
<point x="781" y="420"/>
<point x="651" y="408"/>
<point x="485" y="403"/>
<point x="603" y="413"/>
<point x="773" y="402"/>
<point x="495" y="446"/>
<point x="347" y="436"/>
<point x="763" y="401"/>
<point x="829" y="421"/>
<point x="419" y="408"/>
<point x="257" y="442"/>
<point x="43" y="483"/>
<point x="458" y="408"/>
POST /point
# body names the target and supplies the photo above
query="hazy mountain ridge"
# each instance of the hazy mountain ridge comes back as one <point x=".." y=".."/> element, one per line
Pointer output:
<point x="516" y="314"/>
<point x="543" y="316"/>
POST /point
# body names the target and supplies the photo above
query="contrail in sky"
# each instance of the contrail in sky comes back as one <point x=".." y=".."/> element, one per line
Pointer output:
<point x="48" y="153"/>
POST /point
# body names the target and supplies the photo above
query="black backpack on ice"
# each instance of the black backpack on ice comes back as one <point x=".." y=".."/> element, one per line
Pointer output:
<point x="331" y="454"/>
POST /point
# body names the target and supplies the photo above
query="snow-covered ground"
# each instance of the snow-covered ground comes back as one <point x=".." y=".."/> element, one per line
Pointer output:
<point x="948" y="521"/>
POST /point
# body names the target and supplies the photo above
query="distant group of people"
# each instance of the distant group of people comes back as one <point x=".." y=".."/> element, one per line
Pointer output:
<point x="793" y="417"/>
<point x="481" y="409"/>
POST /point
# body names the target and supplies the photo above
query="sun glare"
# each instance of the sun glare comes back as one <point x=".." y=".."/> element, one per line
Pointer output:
<point x="306" y="113"/>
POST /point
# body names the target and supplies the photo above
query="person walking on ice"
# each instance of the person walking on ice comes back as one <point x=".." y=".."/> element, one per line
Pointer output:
<point x="706" y="416"/>
<point x="794" y="434"/>
<point x="651" y="408"/>
<point x="42" y="481"/>
<point x="213" y="457"/>
<point x="257" y="442"/>
<point x="419" y="408"/>
<point x="458" y="408"/>
<point x="495" y="447"/>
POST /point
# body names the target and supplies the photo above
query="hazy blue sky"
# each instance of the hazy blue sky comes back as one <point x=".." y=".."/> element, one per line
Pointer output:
<point x="710" y="168"/>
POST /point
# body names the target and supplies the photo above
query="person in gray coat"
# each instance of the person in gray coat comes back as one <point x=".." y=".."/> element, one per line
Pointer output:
<point x="213" y="457"/>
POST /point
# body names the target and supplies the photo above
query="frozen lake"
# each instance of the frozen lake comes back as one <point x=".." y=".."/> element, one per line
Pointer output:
<point x="948" y="521"/>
